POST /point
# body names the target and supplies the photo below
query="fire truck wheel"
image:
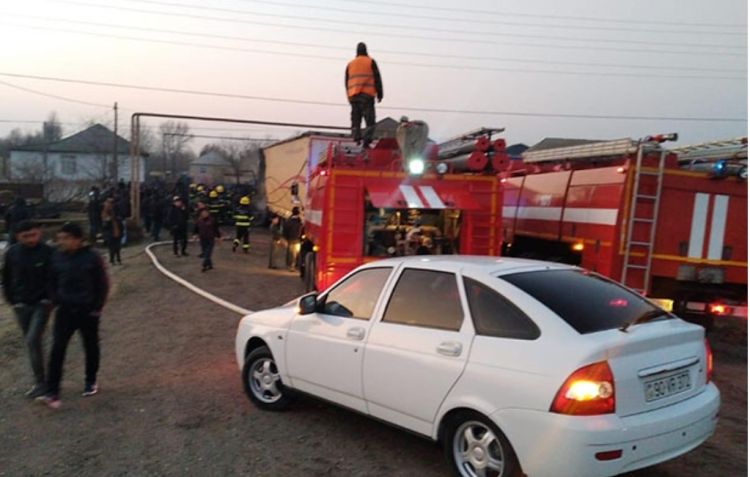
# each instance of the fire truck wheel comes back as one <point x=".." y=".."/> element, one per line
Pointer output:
<point x="309" y="277"/>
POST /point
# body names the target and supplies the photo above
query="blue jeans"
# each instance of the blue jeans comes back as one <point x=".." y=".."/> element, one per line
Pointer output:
<point x="207" y="248"/>
<point x="33" y="320"/>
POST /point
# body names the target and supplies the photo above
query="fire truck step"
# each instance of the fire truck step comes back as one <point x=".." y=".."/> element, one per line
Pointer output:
<point x="639" y="219"/>
<point x="636" y="267"/>
<point x="648" y="197"/>
<point x="640" y="244"/>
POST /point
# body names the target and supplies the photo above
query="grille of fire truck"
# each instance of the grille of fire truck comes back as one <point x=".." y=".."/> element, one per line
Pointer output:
<point x="638" y="253"/>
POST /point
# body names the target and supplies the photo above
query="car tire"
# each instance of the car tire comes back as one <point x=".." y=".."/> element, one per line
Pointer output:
<point x="262" y="382"/>
<point x="472" y="444"/>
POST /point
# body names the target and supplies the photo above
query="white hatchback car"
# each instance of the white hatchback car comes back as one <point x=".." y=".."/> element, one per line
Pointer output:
<point x="513" y="365"/>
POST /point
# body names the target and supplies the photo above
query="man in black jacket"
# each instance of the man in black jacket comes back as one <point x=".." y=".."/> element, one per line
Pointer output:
<point x="178" y="218"/>
<point x="17" y="213"/>
<point x="79" y="289"/>
<point x="26" y="288"/>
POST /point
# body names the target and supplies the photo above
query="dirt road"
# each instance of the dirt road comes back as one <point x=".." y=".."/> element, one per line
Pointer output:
<point x="171" y="401"/>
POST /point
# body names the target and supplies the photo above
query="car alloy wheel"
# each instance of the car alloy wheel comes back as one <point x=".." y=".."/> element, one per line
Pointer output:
<point x="265" y="382"/>
<point x="477" y="451"/>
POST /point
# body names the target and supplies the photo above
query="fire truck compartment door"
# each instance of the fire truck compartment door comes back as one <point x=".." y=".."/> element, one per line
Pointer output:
<point x="421" y="196"/>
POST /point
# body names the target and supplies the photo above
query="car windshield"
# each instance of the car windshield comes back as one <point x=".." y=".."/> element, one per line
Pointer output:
<point x="586" y="301"/>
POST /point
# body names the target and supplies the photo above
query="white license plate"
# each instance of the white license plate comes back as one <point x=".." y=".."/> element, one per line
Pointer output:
<point x="667" y="386"/>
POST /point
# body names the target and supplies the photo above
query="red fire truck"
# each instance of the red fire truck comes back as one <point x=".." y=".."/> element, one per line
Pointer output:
<point x="633" y="211"/>
<point x="362" y="206"/>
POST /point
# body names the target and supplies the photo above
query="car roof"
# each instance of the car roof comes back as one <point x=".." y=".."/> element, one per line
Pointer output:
<point x="495" y="266"/>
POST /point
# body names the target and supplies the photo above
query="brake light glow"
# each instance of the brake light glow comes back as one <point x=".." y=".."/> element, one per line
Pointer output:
<point x="588" y="391"/>
<point x="709" y="361"/>
<point x="577" y="247"/>
<point x="719" y="309"/>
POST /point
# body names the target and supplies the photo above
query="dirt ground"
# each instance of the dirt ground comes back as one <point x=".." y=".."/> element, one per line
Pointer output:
<point x="171" y="401"/>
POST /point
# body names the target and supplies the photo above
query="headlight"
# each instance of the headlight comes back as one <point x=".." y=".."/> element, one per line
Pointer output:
<point x="416" y="166"/>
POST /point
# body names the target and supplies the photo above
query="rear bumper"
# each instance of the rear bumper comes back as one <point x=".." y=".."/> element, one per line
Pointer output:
<point x="554" y="445"/>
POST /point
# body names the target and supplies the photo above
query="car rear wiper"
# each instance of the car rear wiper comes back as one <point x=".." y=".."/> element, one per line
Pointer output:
<point x="648" y="316"/>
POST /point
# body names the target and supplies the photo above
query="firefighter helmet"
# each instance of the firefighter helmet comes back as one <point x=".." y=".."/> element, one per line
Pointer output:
<point x="193" y="186"/>
<point x="213" y="194"/>
<point x="200" y="188"/>
<point x="219" y="188"/>
<point x="245" y="200"/>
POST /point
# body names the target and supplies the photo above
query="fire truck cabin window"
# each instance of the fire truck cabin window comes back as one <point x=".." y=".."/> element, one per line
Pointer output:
<point x="400" y="232"/>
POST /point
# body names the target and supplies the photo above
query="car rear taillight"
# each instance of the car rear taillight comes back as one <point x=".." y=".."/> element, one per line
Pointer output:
<point x="709" y="361"/>
<point x="719" y="309"/>
<point x="587" y="392"/>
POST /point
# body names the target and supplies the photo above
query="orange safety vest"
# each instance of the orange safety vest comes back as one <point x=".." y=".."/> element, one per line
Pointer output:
<point x="361" y="78"/>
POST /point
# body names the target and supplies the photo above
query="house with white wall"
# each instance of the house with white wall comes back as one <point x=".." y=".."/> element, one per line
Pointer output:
<point x="70" y="166"/>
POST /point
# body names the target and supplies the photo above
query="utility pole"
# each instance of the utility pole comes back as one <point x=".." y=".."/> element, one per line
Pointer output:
<point x="115" y="166"/>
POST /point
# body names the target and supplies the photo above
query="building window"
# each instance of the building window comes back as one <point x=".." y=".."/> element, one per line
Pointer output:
<point x="68" y="165"/>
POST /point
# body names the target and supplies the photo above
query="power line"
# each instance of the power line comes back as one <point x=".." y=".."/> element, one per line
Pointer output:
<point x="55" y="96"/>
<point x="386" y="34"/>
<point x="537" y="15"/>
<point x="396" y="108"/>
<point x="193" y="34"/>
<point x="414" y="27"/>
<point x="410" y="64"/>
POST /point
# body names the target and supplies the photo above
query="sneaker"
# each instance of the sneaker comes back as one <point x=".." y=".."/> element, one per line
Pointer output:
<point x="36" y="391"/>
<point x="89" y="390"/>
<point x="52" y="401"/>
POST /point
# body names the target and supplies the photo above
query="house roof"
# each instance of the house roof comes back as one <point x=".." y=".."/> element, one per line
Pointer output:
<point x="386" y="127"/>
<point x="96" y="139"/>
<point x="515" y="150"/>
<point x="555" y="142"/>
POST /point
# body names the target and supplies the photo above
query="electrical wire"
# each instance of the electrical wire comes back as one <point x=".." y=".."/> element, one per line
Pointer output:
<point x="373" y="33"/>
<point x="415" y="27"/>
<point x="194" y="34"/>
<point x="55" y="96"/>
<point x="396" y="108"/>
<point x="640" y="21"/>
<point x="409" y="64"/>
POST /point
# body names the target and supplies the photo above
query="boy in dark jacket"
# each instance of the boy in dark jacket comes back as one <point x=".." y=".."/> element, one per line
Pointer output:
<point x="207" y="230"/>
<point x="79" y="289"/>
<point x="178" y="223"/>
<point x="26" y="288"/>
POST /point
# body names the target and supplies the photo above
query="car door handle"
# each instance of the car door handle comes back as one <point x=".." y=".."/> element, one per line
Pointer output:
<point x="357" y="334"/>
<point x="450" y="348"/>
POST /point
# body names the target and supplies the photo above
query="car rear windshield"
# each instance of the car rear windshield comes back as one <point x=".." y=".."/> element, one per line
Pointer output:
<point x="586" y="301"/>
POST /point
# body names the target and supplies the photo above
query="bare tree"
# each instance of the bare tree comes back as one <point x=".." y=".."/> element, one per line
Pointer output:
<point x="241" y="157"/>
<point x="174" y="139"/>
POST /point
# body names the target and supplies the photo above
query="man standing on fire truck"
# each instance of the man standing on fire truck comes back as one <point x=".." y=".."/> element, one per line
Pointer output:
<point x="363" y="85"/>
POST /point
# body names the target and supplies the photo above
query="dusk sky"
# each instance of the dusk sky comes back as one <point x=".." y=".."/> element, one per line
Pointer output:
<point x="456" y="65"/>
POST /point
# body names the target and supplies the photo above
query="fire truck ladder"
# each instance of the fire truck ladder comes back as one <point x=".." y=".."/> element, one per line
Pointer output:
<point x="633" y="261"/>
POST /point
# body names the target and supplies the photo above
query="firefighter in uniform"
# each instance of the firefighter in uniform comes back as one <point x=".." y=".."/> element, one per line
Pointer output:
<point x="214" y="205"/>
<point x="363" y="85"/>
<point x="225" y="205"/>
<point x="242" y="221"/>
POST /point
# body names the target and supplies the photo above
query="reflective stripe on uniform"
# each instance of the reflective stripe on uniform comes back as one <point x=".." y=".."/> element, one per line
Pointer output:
<point x="361" y="78"/>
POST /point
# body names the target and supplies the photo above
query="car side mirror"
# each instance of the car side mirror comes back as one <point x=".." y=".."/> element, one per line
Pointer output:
<point x="307" y="304"/>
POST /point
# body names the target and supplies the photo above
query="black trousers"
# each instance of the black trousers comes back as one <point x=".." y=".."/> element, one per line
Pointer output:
<point x="179" y="241"/>
<point x="207" y="249"/>
<point x="242" y="235"/>
<point x="68" y="320"/>
<point x="363" y="105"/>
<point x="114" y="244"/>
